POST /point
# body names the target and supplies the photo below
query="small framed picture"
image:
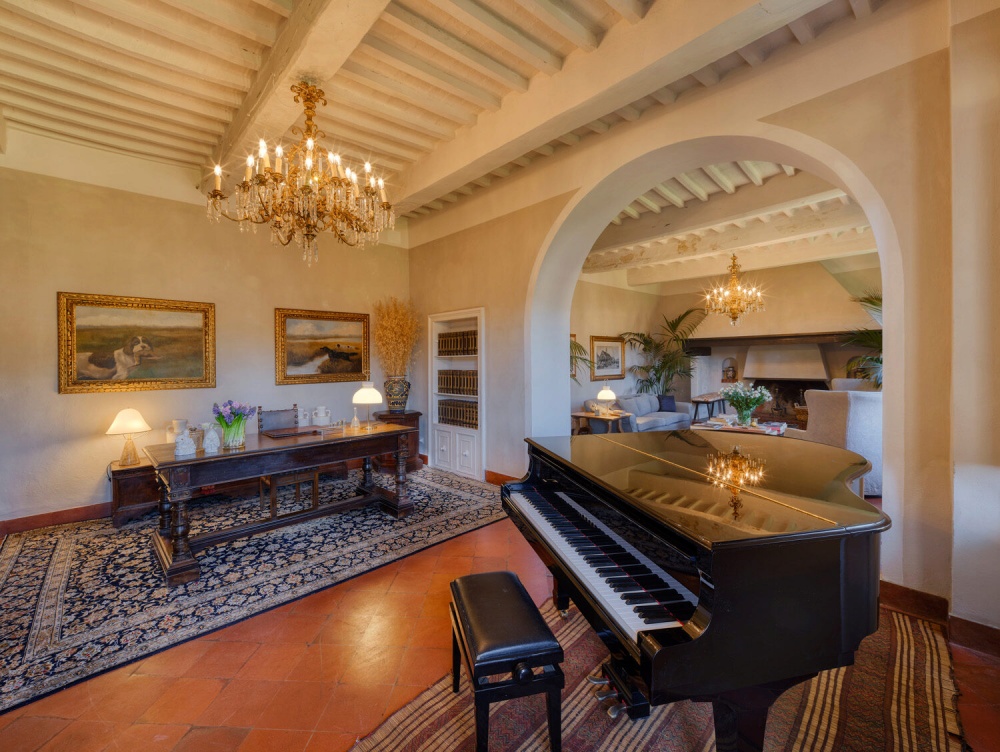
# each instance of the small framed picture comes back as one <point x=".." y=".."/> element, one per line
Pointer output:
<point x="111" y="343"/>
<point x="607" y="358"/>
<point x="312" y="347"/>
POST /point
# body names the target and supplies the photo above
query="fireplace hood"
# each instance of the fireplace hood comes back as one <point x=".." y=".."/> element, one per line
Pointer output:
<point x="804" y="362"/>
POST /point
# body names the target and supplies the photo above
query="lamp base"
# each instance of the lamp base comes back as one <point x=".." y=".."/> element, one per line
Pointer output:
<point x="129" y="454"/>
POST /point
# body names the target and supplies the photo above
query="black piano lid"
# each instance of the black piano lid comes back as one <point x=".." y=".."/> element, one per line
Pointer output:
<point x="804" y="491"/>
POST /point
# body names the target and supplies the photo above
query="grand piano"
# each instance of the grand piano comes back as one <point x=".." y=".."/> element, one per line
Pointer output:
<point x="714" y="588"/>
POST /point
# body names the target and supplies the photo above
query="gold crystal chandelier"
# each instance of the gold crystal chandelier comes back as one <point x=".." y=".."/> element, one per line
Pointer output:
<point x="308" y="190"/>
<point x="734" y="471"/>
<point x="734" y="299"/>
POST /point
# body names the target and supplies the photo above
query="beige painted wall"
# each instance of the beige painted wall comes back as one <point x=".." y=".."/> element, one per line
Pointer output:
<point x="487" y="265"/>
<point x="61" y="235"/>
<point x="975" y="361"/>
<point x="895" y="126"/>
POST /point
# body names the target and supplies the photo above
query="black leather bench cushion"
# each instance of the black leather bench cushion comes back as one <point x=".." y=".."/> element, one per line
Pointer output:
<point x="501" y="623"/>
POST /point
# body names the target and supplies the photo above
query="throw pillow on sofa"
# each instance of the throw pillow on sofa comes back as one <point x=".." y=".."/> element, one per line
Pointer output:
<point x="667" y="403"/>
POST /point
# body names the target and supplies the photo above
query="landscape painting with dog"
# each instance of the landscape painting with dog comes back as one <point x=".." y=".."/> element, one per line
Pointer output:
<point x="112" y="343"/>
<point x="318" y="346"/>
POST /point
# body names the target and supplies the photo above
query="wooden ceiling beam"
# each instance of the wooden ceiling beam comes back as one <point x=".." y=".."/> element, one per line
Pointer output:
<point x="670" y="195"/>
<point x="105" y="139"/>
<point x="419" y="27"/>
<point x="43" y="80"/>
<point x="283" y="8"/>
<point x="756" y="258"/>
<point x="341" y="131"/>
<point x="744" y="207"/>
<point x="632" y="11"/>
<point x="692" y="186"/>
<point x="232" y="18"/>
<point x="121" y="37"/>
<point x="407" y="93"/>
<point x="719" y="178"/>
<point x="390" y="129"/>
<point x="47" y="41"/>
<point x="52" y="102"/>
<point x="159" y="20"/>
<point x="502" y="33"/>
<point x="156" y="133"/>
<point x="558" y="18"/>
<point x="781" y="228"/>
<point x="429" y="73"/>
<point x="352" y="93"/>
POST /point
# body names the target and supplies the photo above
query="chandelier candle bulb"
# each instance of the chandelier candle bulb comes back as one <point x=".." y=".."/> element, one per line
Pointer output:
<point x="249" y="173"/>
<point x="262" y="154"/>
<point x="218" y="177"/>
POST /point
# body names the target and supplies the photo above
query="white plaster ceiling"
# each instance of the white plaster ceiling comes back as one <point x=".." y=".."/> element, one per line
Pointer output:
<point x="444" y="97"/>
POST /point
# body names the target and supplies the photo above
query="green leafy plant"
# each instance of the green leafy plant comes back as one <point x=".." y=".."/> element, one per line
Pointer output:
<point x="577" y="359"/>
<point x="664" y="356"/>
<point x="869" y="364"/>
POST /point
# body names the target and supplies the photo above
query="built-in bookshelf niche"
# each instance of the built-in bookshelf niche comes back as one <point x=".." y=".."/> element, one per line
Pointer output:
<point x="456" y="391"/>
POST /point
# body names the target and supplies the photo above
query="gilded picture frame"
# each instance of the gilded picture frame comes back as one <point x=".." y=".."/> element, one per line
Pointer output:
<point x="115" y="343"/>
<point x="315" y="347"/>
<point x="607" y="358"/>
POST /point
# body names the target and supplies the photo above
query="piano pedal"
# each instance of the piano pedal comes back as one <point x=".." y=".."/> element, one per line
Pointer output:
<point x="599" y="681"/>
<point x="616" y="710"/>
<point x="606" y="694"/>
<point x="564" y="614"/>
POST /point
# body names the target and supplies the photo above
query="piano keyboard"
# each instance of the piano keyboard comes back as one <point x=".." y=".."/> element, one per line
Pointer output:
<point x="634" y="592"/>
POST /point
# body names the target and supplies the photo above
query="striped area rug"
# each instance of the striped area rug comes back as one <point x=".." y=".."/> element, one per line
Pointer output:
<point x="899" y="695"/>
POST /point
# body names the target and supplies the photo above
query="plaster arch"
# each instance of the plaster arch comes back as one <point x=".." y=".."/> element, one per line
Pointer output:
<point x="560" y="260"/>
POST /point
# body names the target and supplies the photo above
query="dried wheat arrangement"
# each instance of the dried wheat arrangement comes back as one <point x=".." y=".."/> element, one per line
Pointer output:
<point x="396" y="331"/>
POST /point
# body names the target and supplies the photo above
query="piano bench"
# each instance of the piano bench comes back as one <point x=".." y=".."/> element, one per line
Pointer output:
<point x="496" y="628"/>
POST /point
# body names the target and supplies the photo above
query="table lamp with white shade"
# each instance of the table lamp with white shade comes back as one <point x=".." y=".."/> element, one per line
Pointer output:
<point x="605" y="397"/>
<point x="367" y="395"/>
<point x="128" y="421"/>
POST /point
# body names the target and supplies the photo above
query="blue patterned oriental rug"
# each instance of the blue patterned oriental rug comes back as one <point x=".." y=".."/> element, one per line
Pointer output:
<point x="83" y="598"/>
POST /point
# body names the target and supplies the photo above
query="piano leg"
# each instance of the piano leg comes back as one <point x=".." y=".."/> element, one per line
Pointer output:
<point x="559" y="595"/>
<point x="741" y="715"/>
<point x="738" y="729"/>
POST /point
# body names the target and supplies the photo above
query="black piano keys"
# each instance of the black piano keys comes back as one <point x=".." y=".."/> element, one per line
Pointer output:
<point x="654" y="600"/>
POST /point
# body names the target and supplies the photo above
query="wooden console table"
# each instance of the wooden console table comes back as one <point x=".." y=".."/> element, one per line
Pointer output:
<point x="179" y="476"/>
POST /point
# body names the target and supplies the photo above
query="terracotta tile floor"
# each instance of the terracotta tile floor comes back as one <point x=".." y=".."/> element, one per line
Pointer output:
<point x="318" y="673"/>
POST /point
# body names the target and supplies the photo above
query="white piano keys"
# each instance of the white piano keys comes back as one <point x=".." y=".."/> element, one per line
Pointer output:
<point x="620" y="612"/>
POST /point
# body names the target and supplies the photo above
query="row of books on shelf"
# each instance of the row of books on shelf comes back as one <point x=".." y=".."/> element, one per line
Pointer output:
<point x="465" y="383"/>
<point x="458" y="343"/>
<point x="458" y="413"/>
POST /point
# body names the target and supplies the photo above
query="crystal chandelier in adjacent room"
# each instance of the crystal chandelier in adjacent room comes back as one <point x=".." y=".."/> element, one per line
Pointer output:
<point x="305" y="191"/>
<point x="734" y="298"/>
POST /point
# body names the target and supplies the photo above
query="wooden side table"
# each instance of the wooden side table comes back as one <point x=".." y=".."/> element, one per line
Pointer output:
<point x="581" y="422"/>
<point x="133" y="491"/>
<point x="409" y="418"/>
<point x="711" y="401"/>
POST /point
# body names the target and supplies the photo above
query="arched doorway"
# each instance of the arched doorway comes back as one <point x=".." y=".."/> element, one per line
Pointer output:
<point x="560" y="260"/>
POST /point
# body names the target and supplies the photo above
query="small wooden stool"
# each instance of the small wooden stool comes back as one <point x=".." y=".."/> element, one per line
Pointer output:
<point x="497" y="629"/>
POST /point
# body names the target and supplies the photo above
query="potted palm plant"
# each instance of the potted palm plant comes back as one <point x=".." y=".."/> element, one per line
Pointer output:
<point x="869" y="365"/>
<point x="395" y="332"/>
<point x="664" y="355"/>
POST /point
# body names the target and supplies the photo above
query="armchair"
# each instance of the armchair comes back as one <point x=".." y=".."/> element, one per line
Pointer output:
<point x="848" y="419"/>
